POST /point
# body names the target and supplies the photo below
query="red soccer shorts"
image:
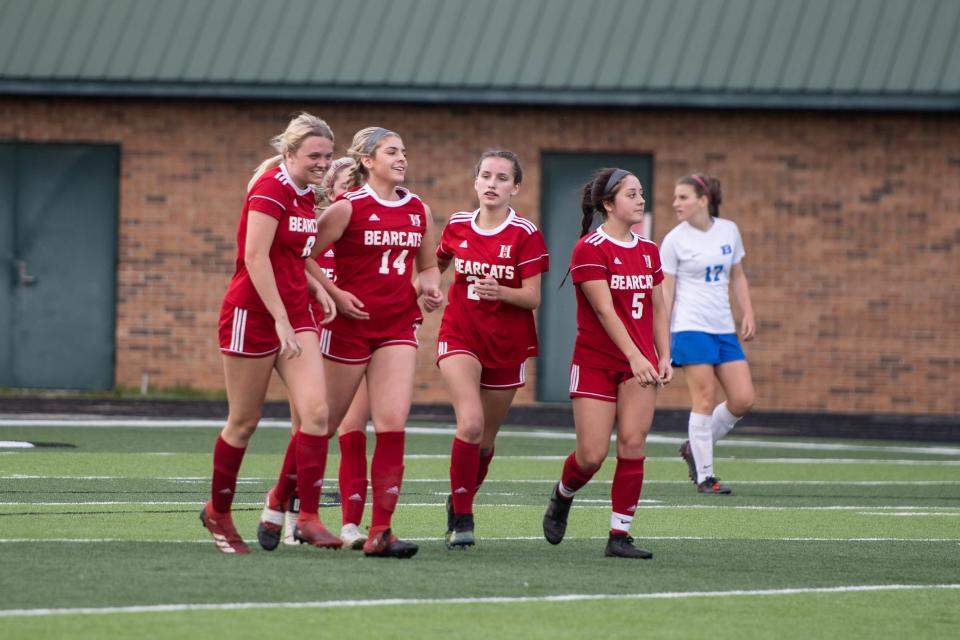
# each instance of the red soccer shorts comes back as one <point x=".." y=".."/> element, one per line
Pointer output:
<point x="349" y="348"/>
<point x="253" y="334"/>
<point x="601" y="384"/>
<point x="512" y="377"/>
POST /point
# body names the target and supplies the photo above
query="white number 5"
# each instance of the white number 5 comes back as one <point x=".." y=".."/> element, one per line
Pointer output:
<point x="638" y="305"/>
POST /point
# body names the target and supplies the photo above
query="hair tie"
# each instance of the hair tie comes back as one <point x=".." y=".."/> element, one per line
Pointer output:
<point x="706" y="189"/>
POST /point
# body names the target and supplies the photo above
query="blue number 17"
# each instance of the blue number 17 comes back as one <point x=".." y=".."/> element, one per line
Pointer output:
<point x="715" y="271"/>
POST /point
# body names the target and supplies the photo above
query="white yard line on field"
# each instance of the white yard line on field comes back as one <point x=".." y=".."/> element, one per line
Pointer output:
<point x="495" y="539"/>
<point x="583" y="503"/>
<point x="406" y="602"/>
<point x="540" y="434"/>
<point x="332" y="482"/>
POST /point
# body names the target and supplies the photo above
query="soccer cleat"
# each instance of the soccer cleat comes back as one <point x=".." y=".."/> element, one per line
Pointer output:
<point x="313" y="532"/>
<point x="461" y="533"/>
<point x="220" y="526"/>
<point x="383" y="544"/>
<point x="555" y="518"/>
<point x="450" y="514"/>
<point x="270" y="525"/>
<point x="620" y="545"/>
<point x="290" y="520"/>
<point x="713" y="486"/>
<point x="352" y="537"/>
<point x="687" y="456"/>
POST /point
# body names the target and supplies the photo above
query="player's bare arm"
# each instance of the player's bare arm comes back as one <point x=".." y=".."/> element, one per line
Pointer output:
<point x="526" y="296"/>
<point x="741" y="294"/>
<point x="661" y="334"/>
<point x="426" y="262"/>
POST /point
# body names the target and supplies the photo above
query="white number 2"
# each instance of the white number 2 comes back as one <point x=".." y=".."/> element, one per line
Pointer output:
<point x="638" y="305"/>
<point x="399" y="264"/>
<point x="471" y="289"/>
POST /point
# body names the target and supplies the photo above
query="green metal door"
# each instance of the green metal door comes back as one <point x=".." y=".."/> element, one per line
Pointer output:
<point x="560" y="215"/>
<point x="58" y="218"/>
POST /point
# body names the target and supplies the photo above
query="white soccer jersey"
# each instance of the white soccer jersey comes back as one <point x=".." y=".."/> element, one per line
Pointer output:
<point x="701" y="262"/>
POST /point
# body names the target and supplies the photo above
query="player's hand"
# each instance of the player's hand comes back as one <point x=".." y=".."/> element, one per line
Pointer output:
<point x="645" y="373"/>
<point x="327" y="304"/>
<point x="748" y="328"/>
<point x="289" y="347"/>
<point x="487" y="288"/>
<point x="432" y="299"/>
<point x="350" y="305"/>
<point x="666" y="372"/>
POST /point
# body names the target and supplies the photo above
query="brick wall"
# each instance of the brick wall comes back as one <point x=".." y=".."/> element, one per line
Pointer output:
<point x="850" y="222"/>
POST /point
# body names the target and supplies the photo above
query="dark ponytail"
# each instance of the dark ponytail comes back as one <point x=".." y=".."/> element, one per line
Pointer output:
<point x="704" y="185"/>
<point x="602" y="187"/>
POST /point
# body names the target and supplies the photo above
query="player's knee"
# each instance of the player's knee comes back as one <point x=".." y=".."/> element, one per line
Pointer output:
<point x="631" y="446"/>
<point x="315" y="419"/>
<point x="740" y="404"/>
<point x="242" y="425"/>
<point x="470" y="428"/>
<point x="591" y="460"/>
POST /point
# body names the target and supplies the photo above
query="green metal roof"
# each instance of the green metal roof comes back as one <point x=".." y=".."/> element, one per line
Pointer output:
<point x="883" y="54"/>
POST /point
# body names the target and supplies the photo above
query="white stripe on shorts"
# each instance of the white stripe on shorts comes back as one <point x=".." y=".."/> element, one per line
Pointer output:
<point x="239" y="329"/>
<point x="574" y="376"/>
<point x="325" y="341"/>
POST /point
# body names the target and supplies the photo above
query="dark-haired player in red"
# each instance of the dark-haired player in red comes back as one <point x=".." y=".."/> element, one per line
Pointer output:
<point x="379" y="230"/>
<point x="620" y="358"/>
<point x="266" y="323"/>
<point x="487" y="332"/>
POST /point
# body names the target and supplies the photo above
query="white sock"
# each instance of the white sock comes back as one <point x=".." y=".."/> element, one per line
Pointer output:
<point x="620" y="522"/>
<point x="701" y="444"/>
<point x="566" y="493"/>
<point x="722" y="421"/>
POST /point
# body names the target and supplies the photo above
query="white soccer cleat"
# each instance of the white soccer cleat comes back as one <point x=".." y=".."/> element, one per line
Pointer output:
<point x="352" y="537"/>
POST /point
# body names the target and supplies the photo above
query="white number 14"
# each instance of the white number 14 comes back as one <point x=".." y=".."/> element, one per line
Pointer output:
<point x="399" y="264"/>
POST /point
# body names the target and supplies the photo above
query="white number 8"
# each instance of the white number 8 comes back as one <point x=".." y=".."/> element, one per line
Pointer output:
<point x="308" y="246"/>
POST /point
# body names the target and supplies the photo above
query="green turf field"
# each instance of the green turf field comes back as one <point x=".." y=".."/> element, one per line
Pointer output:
<point x="820" y="539"/>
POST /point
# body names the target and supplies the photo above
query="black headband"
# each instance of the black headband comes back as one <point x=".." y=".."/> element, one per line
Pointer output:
<point x="615" y="177"/>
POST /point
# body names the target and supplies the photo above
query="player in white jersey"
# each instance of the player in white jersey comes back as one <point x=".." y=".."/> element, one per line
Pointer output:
<point x="702" y="261"/>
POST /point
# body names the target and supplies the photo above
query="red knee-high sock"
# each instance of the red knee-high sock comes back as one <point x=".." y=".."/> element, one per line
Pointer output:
<point x="353" y="476"/>
<point x="464" y="467"/>
<point x="625" y="493"/>
<point x="573" y="477"/>
<point x="485" y="460"/>
<point x="386" y="475"/>
<point x="311" y="463"/>
<point x="287" y="482"/>
<point x="226" y="467"/>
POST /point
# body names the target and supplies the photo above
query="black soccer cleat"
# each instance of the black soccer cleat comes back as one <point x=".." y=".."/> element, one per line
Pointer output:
<point x="620" y="545"/>
<point x="555" y="517"/>
<point x="384" y="544"/>
<point x="450" y="514"/>
<point x="687" y="456"/>
<point x="713" y="486"/>
<point x="461" y="535"/>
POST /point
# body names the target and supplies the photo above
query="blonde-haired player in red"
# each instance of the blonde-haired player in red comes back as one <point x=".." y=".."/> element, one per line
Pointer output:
<point x="620" y="358"/>
<point x="487" y="332"/>
<point x="267" y="323"/>
<point x="353" y="459"/>
<point x="378" y="230"/>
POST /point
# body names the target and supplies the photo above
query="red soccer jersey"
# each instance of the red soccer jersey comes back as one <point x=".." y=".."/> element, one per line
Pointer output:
<point x="327" y="262"/>
<point x="276" y="195"/>
<point x="501" y="334"/>
<point x="631" y="270"/>
<point x="374" y="261"/>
